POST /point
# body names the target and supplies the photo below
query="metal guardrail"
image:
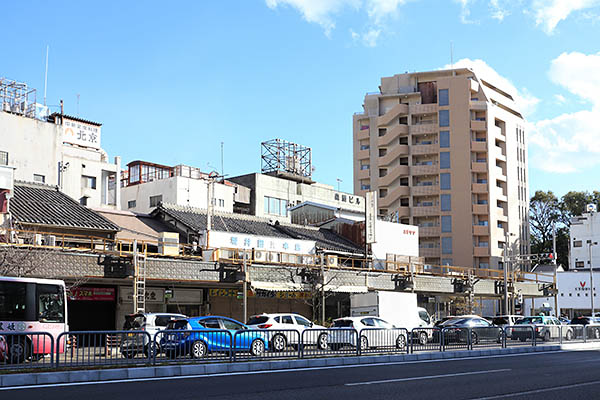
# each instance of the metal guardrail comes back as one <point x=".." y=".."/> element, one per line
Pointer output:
<point x="132" y="347"/>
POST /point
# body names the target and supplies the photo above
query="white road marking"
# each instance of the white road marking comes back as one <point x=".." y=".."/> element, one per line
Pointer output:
<point x="504" y="396"/>
<point x="420" y="378"/>
<point x="56" y="385"/>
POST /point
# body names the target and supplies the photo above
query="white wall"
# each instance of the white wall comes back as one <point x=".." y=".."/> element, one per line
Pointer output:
<point x="395" y="238"/>
<point x="573" y="291"/>
<point x="584" y="228"/>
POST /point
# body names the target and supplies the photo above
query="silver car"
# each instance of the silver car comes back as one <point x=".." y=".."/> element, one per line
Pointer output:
<point x="371" y="332"/>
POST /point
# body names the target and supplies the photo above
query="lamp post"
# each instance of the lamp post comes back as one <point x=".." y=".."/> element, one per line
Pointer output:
<point x="590" y="244"/>
<point x="505" y="266"/>
<point x="339" y="195"/>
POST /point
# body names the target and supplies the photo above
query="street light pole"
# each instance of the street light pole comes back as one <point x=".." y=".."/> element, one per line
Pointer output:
<point x="590" y="244"/>
<point x="505" y="267"/>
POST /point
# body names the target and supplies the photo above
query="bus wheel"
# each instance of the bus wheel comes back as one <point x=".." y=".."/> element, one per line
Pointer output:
<point x="18" y="350"/>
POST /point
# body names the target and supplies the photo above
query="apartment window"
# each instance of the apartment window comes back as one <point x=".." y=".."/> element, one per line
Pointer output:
<point x="579" y="264"/>
<point x="446" y="223"/>
<point x="364" y="147"/>
<point x="444" y="118"/>
<point x="445" y="181"/>
<point x="447" y="261"/>
<point x="446" y="245"/>
<point x="444" y="160"/>
<point x="577" y="243"/>
<point x="365" y="187"/>
<point x="39" y="178"/>
<point x="88" y="182"/>
<point x="274" y="206"/>
<point x="382" y="193"/>
<point x="154" y="200"/>
<point x="445" y="139"/>
<point x="484" y="265"/>
<point x="443" y="97"/>
<point x="3" y="158"/>
<point x="382" y="152"/>
<point x="364" y="166"/>
<point x="221" y="203"/>
<point x="382" y="131"/>
<point x="131" y="204"/>
<point x="445" y="202"/>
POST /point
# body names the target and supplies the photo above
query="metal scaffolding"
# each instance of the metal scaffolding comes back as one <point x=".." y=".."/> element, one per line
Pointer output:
<point x="17" y="98"/>
<point x="280" y="156"/>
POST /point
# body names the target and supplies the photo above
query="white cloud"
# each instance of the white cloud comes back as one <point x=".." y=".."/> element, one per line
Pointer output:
<point x="560" y="99"/>
<point x="548" y="13"/>
<point x="378" y="10"/>
<point x="368" y="38"/>
<point x="465" y="11"/>
<point x="570" y="142"/>
<point x="498" y="12"/>
<point x="526" y="102"/>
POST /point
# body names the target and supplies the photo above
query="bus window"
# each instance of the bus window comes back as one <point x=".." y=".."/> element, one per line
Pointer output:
<point x="51" y="306"/>
<point x="13" y="301"/>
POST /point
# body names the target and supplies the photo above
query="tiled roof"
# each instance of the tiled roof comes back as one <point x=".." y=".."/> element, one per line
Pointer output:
<point x="46" y="205"/>
<point x="195" y="219"/>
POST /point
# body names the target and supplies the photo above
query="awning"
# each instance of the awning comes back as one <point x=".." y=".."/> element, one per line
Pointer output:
<point x="279" y="286"/>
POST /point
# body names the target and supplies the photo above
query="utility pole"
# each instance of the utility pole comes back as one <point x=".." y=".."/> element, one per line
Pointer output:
<point x="590" y="244"/>
<point x="505" y="267"/>
<point x="556" y="310"/>
<point x="245" y="287"/>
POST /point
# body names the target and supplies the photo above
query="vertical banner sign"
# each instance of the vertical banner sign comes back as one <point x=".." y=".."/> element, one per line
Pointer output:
<point x="370" y="217"/>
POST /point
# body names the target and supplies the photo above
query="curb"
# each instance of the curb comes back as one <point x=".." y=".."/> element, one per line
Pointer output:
<point x="44" y="378"/>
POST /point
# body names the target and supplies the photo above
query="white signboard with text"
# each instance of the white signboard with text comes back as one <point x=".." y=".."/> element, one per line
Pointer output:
<point x="81" y="133"/>
<point x="236" y="240"/>
<point x="371" y="216"/>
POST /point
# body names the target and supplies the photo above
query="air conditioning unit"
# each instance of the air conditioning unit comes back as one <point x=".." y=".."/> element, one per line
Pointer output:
<point x="273" y="257"/>
<point x="260" y="255"/>
<point x="308" y="260"/>
<point x="50" y="240"/>
<point x="332" y="261"/>
<point x="38" y="239"/>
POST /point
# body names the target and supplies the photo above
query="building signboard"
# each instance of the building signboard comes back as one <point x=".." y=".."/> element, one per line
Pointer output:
<point x="371" y="216"/>
<point x="263" y="294"/>
<point x="80" y="133"/>
<point x="92" y="294"/>
<point x="235" y="240"/>
<point x="153" y="295"/>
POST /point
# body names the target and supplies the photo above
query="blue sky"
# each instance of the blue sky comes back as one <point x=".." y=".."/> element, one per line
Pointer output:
<point x="170" y="83"/>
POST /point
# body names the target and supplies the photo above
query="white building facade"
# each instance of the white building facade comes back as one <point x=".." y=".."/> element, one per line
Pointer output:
<point x="584" y="235"/>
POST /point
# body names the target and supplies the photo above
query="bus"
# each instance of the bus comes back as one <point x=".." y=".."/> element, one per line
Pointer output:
<point x="31" y="305"/>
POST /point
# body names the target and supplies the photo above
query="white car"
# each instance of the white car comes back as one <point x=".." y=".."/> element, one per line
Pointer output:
<point x="135" y="344"/>
<point x="373" y="332"/>
<point x="287" y="329"/>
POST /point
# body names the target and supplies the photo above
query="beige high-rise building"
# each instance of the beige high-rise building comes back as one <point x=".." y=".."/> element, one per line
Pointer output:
<point x="447" y="151"/>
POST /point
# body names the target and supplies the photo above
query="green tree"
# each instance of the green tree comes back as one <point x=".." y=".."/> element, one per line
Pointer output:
<point x="574" y="203"/>
<point x="544" y="213"/>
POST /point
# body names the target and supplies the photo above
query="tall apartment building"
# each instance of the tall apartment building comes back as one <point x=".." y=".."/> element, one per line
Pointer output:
<point x="447" y="151"/>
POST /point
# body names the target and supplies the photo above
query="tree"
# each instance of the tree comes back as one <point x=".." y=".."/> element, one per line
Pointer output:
<point x="544" y="213"/>
<point x="574" y="203"/>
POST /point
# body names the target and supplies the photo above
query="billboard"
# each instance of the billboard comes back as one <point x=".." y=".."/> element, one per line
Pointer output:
<point x="81" y="133"/>
<point x="371" y="216"/>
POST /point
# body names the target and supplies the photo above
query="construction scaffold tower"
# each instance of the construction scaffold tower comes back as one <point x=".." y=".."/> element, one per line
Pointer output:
<point x="280" y="157"/>
<point x="17" y="98"/>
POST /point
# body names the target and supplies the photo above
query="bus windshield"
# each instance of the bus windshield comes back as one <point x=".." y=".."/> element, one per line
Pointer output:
<point x="28" y="301"/>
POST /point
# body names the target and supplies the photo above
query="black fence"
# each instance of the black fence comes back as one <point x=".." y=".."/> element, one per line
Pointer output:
<point x="138" y="347"/>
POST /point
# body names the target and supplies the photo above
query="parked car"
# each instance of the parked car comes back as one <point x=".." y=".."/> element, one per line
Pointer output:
<point x="457" y="330"/>
<point x="592" y="331"/>
<point x="137" y="343"/>
<point x="288" y="322"/>
<point x="3" y="350"/>
<point x="203" y="335"/>
<point x="544" y="327"/>
<point x="505" y="320"/>
<point x="341" y="335"/>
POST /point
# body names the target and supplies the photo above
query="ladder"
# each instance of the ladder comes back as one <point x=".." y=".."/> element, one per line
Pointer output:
<point x="139" y="284"/>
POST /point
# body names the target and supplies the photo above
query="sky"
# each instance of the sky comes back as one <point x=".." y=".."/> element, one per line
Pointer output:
<point x="171" y="82"/>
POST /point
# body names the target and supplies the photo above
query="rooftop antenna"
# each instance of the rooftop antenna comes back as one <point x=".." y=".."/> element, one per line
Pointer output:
<point x="222" y="171"/>
<point x="46" y="74"/>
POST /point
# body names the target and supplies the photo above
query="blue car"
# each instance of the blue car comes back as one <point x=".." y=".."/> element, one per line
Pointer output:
<point x="202" y="335"/>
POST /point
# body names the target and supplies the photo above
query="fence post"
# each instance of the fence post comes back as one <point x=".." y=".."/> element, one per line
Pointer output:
<point x="358" y="349"/>
<point x="470" y="338"/>
<point x="442" y="341"/>
<point x="584" y="334"/>
<point x="301" y="344"/>
<point x="534" y="336"/>
<point x="232" y="345"/>
<point x="409" y="342"/>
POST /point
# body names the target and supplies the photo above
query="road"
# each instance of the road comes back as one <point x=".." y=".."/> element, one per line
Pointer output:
<point x="552" y="375"/>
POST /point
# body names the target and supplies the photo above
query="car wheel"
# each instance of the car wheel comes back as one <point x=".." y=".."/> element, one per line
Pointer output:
<point x="18" y="351"/>
<point x="569" y="335"/>
<point x="364" y="343"/>
<point x="279" y="342"/>
<point x="199" y="349"/>
<point x="423" y="339"/>
<point x="322" y="341"/>
<point x="257" y="347"/>
<point x="596" y="333"/>
<point x="547" y="336"/>
<point x="128" y="354"/>
<point x="474" y="338"/>
<point x="401" y="342"/>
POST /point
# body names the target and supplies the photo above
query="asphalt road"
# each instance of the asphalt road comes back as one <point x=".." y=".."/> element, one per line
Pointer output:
<point x="554" y="375"/>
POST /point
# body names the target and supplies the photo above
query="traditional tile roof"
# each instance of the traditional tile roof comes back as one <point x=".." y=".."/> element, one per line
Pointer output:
<point x="38" y="204"/>
<point x="195" y="219"/>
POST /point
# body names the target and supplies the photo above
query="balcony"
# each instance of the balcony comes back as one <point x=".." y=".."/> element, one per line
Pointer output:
<point x="393" y="154"/>
<point x="393" y="174"/>
<point x="501" y="215"/>
<point x="429" y="251"/>
<point x="403" y="211"/>
<point x="478" y="105"/>
<point x="425" y="169"/>
<point x="425" y="190"/>
<point x="500" y="194"/>
<point x="480" y="209"/>
<point x="416" y="109"/>
<point x="481" y="230"/>
<point x="481" y="251"/>
<point x="478" y="146"/>
<point x="477" y="166"/>
<point x="362" y="134"/>
<point x="393" y="196"/>
<point x="479" y="187"/>
<point x="497" y="153"/>
<point x="500" y="174"/>
<point x="362" y="154"/>
<point x="478" y="125"/>
<point x="392" y="134"/>
<point x="498" y="133"/>
<point x="422" y="129"/>
<point x="395" y="112"/>
<point x="424" y="211"/>
<point x="363" y="173"/>
<point x="425" y="148"/>
<point x="429" y="231"/>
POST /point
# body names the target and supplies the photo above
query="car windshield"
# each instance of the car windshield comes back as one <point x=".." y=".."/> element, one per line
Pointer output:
<point x="425" y="317"/>
<point x="177" y="324"/>
<point x="454" y="321"/>
<point x="530" y="320"/>
<point x="342" y="323"/>
<point x="134" y="321"/>
<point x="500" y="321"/>
<point x="258" y="319"/>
